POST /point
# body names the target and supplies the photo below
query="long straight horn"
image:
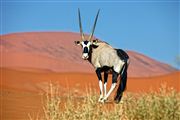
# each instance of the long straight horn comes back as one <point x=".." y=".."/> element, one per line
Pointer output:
<point x="90" y="37"/>
<point x="80" y="25"/>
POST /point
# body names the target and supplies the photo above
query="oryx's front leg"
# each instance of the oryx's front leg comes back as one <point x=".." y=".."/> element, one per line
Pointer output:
<point x="113" y="86"/>
<point x="98" y="72"/>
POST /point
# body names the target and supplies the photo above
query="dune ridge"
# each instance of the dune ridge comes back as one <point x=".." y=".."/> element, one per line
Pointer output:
<point x="55" y="51"/>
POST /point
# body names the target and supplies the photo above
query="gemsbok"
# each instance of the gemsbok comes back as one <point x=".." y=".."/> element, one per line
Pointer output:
<point x="105" y="59"/>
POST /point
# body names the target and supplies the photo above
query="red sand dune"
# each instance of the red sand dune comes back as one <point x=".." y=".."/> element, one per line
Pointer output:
<point x="55" y="51"/>
<point x="29" y="61"/>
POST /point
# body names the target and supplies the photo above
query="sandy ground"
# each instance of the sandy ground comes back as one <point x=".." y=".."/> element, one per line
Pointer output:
<point x="21" y="92"/>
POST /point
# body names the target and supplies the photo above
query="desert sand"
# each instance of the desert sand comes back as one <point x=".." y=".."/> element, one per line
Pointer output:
<point x="21" y="91"/>
<point x="30" y="61"/>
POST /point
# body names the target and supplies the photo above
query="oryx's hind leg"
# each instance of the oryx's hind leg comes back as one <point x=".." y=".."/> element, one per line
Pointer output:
<point x="122" y="85"/>
<point x="113" y="86"/>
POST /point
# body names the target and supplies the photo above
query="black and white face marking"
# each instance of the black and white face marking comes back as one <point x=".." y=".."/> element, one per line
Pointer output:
<point x="86" y="46"/>
<point x="86" y="49"/>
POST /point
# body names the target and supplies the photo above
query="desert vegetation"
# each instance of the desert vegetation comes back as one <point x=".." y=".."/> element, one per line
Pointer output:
<point x="161" y="105"/>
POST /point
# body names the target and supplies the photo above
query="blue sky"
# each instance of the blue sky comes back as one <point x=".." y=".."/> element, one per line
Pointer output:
<point x="149" y="27"/>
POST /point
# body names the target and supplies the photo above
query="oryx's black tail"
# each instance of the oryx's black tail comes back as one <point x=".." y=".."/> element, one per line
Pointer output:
<point x="122" y="84"/>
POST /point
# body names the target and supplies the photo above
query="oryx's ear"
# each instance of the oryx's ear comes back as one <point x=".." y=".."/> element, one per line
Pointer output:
<point x="94" y="42"/>
<point x="77" y="42"/>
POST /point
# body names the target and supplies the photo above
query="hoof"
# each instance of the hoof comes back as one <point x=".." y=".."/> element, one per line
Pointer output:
<point x="117" y="99"/>
<point x="102" y="100"/>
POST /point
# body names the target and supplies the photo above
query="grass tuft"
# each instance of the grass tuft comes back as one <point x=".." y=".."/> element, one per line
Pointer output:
<point x="161" y="105"/>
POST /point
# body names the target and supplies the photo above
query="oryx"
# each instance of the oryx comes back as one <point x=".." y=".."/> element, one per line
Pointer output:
<point x="105" y="59"/>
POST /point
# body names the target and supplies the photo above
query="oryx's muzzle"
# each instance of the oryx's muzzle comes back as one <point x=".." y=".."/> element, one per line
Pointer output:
<point x="85" y="56"/>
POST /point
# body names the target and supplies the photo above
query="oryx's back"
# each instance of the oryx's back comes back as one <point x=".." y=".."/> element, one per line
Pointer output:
<point x="105" y="55"/>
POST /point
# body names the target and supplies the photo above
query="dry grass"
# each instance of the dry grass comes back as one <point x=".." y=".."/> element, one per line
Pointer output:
<point x="162" y="105"/>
